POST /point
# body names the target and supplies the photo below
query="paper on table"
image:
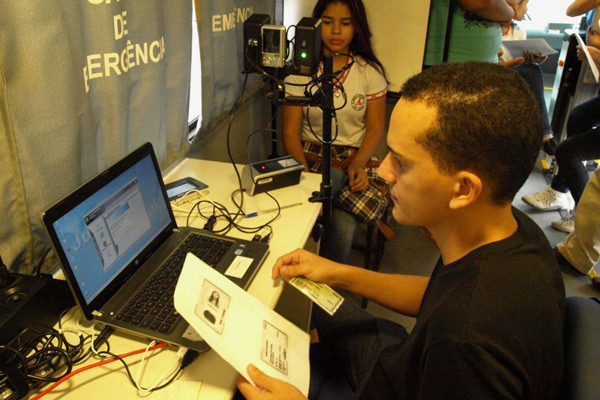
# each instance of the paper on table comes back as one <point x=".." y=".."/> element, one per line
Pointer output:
<point x="239" y="327"/>
<point x="588" y="57"/>
<point x="517" y="48"/>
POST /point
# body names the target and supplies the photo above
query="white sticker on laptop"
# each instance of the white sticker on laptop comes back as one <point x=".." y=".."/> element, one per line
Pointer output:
<point x="212" y="306"/>
<point x="274" y="347"/>
<point x="238" y="267"/>
<point x="321" y="294"/>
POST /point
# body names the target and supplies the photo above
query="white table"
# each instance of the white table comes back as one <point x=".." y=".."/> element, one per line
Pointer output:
<point x="209" y="377"/>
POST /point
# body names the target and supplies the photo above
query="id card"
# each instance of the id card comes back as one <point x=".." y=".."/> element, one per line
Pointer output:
<point x="321" y="294"/>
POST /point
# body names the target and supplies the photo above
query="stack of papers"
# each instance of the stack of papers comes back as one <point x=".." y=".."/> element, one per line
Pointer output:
<point x="517" y="48"/>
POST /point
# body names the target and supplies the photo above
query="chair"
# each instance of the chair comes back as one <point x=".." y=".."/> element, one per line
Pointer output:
<point x="582" y="349"/>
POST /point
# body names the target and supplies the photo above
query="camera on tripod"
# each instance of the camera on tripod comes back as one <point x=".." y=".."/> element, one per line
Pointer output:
<point x="265" y="45"/>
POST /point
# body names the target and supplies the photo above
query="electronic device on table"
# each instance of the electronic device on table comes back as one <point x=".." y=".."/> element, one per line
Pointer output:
<point x="271" y="174"/>
<point x="122" y="252"/>
<point x="186" y="190"/>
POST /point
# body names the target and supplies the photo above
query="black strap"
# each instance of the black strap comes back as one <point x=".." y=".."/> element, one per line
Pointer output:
<point x="448" y="30"/>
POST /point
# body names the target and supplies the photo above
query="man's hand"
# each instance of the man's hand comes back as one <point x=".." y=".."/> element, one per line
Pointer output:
<point x="304" y="263"/>
<point x="266" y="388"/>
<point x="359" y="180"/>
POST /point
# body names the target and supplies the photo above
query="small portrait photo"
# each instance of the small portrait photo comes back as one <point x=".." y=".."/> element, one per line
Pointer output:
<point x="212" y="306"/>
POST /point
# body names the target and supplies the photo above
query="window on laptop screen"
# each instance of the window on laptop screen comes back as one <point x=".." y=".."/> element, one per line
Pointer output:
<point x="105" y="232"/>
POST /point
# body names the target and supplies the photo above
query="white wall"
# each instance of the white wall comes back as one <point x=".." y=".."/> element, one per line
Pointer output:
<point x="399" y="29"/>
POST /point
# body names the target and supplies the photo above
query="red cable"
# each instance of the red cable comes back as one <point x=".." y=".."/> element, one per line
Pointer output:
<point x="64" y="378"/>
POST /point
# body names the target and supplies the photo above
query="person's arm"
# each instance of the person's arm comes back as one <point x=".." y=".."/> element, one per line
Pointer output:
<point x="493" y="10"/>
<point x="593" y="46"/>
<point x="292" y="125"/>
<point x="579" y="7"/>
<point x="513" y="62"/>
<point x="374" y="126"/>
<point x="592" y="38"/>
<point x="402" y="293"/>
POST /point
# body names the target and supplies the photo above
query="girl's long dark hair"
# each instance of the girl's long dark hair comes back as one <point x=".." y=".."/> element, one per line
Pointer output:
<point x="361" y="42"/>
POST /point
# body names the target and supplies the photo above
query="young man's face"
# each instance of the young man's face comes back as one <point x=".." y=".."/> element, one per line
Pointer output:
<point x="420" y="192"/>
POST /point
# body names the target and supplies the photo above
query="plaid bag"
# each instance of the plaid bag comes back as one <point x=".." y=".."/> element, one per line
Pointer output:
<point x="367" y="206"/>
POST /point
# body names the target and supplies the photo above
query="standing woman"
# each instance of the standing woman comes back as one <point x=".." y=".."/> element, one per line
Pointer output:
<point x="360" y="102"/>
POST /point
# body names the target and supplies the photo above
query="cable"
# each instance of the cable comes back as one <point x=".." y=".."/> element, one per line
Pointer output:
<point x="228" y="139"/>
<point x="41" y="356"/>
<point x="41" y="262"/>
<point x="82" y="369"/>
<point x="175" y="369"/>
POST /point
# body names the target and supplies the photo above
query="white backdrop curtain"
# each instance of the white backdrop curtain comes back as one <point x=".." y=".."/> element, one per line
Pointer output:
<point x="82" y="83"/>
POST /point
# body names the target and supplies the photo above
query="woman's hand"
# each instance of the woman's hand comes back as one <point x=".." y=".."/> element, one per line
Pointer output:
<point x="531" y="58"/>
<point x="521" y="10"/>
<point x="594" y="52"/>
<point x="267" y="388"/>
<point x="592" y="38"/>
<point x="359" y="180"/>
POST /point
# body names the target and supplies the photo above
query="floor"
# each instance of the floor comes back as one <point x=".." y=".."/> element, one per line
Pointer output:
<point x="412" y="253"/>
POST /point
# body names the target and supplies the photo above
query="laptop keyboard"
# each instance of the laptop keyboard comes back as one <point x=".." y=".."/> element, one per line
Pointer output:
<point x="152" y="307"/>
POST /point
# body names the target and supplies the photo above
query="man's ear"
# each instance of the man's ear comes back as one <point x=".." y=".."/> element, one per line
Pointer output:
<point x="466" y="190"/>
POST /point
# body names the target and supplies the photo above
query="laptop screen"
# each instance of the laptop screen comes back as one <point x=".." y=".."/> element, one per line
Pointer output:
<point x="102" y="234"/>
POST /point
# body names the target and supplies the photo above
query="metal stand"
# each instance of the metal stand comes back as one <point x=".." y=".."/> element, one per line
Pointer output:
<point x="277" y="97"/>
<point x="325" y="195"/>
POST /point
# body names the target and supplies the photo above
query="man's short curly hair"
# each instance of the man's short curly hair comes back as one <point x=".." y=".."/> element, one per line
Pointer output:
<point x="488" y="122"/>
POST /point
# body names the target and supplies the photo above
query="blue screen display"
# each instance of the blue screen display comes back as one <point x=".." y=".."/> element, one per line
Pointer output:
<point x="108" y="230"/>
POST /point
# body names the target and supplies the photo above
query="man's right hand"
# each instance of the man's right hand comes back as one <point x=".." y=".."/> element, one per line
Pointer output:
<point x="304" y="263"/>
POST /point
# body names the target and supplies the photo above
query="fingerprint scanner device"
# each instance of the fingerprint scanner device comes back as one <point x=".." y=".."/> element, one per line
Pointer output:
<point x="271" y="174"/>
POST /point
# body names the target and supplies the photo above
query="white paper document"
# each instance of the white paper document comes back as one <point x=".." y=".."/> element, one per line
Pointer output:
<point x="240" y="328"/>
<point x="517" y="48"/>
<point x="588" y="57"/>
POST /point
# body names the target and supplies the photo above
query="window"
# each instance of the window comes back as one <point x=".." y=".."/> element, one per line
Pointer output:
<point x="544" y="12"/>
<point x="195" y="110"/>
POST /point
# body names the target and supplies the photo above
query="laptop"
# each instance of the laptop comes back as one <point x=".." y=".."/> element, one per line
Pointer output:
<point x="121" y="250"/>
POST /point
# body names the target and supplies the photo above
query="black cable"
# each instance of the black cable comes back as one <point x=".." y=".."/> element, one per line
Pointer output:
<point x="228" y="141"/>
<point x="40" y="356"/>
<point x="43" y="356"/>
<point x="230" y="218"/>
<point x="41" y="262"/>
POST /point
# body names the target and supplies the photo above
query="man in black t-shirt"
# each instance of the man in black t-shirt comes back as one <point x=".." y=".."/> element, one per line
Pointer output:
<point x="463" y="139"/>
